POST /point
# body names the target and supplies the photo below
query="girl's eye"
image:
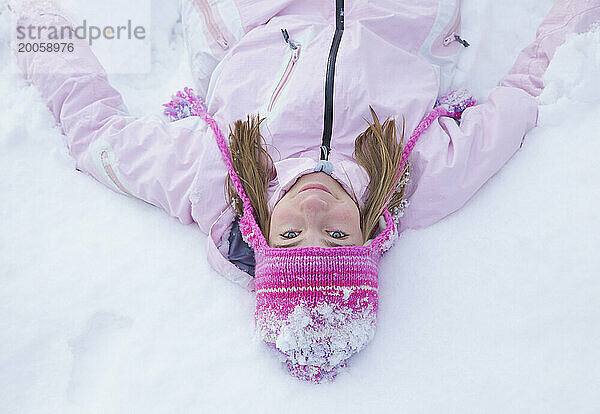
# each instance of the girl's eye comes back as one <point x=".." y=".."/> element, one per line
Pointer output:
<point x="290" y="234"/>
<point x="337" y="234"/>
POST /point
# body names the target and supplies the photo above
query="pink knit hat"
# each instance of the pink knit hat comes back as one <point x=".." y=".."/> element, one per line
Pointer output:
<point x="315" y="305"/>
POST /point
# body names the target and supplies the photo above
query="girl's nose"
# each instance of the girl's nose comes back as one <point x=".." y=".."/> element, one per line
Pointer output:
<point x="313" y="205"/>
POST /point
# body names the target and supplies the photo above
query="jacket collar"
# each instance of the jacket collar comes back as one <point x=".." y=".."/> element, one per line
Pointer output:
<point x="348" y="173"/>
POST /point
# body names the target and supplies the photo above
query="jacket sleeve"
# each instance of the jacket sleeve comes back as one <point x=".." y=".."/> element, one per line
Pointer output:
<point x="565" y="17"/>
<point x="143" y="158"/>
<point x="452" y="161"/>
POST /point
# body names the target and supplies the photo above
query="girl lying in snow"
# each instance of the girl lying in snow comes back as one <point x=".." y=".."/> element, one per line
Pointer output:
<point x="302" y="197"/>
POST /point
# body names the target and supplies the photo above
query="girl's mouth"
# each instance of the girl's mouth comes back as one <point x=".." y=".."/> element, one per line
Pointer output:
<point x="315" y="187"/>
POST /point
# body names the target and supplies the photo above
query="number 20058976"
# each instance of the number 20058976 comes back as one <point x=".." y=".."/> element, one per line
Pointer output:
<point x="46" y="47"/>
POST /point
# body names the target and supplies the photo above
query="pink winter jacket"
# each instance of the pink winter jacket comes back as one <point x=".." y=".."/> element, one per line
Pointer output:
<point x="396" y="56"/>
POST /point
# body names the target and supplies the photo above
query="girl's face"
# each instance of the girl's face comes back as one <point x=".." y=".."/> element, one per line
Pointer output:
<point x="316" y="211"/>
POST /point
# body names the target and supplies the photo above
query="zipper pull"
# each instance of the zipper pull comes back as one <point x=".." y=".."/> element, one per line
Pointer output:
<point x="286" y="37"/>
<point x="325" y="153"/>
<point x="454" y="37"/>
<point x="221" y="41"/>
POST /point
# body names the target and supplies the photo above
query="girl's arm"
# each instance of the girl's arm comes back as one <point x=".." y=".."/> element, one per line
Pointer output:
<point x="565" y="17"/>
<point x="451" y="161"/>
<point x="143" y="158"/>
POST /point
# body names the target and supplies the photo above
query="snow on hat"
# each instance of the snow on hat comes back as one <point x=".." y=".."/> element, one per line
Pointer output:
<point x="317" y="306"/>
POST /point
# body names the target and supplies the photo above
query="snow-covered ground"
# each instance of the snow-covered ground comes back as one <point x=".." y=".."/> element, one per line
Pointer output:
<point x="108" y="306"/>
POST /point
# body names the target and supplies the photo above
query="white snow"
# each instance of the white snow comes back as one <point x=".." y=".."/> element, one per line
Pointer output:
<point x="108" y="306"/>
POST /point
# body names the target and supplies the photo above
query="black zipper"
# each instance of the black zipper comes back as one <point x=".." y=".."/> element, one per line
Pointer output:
<point x="335" y="45"/>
